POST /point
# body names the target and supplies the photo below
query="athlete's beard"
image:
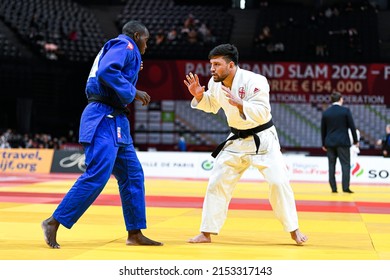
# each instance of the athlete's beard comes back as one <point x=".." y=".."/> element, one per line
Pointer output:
<point x="218" y="78"/>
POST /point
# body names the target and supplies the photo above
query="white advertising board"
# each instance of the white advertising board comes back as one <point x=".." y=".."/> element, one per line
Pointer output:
<point x="367" y="169"/>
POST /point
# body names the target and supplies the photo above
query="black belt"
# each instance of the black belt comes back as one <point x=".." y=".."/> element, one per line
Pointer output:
<point x="244" y="134"/>
<point x="118" y="108"/>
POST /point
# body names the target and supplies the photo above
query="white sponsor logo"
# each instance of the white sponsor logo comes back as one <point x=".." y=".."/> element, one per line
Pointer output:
<point x="73" y="160"/>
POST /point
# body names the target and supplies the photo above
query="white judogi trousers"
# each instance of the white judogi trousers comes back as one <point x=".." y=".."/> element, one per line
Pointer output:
<point x="228" y="168"/>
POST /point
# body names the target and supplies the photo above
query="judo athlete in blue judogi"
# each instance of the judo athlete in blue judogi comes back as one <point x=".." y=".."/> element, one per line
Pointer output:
<point x="105" y="135"/>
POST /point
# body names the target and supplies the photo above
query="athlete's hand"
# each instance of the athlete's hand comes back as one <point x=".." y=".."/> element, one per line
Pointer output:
<point x="194" y="87"/>
<point x="142" y="96"/>
<point x="233" y="99"/>
<point x="141" y="66"/>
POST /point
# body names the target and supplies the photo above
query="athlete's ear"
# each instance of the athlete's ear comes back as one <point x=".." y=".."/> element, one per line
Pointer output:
<point x="136" y="36"/>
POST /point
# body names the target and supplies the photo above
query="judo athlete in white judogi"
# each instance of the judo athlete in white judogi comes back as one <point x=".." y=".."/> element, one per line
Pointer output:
<point x="355" y="151"/>
<point x="244" y="97"/>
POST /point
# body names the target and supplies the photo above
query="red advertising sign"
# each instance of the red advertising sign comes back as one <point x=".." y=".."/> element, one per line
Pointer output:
<point x="292" y="82"/>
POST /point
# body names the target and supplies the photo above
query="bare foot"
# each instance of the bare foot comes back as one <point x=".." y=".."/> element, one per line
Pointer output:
<point x="50" y="227"/>
<point x="298" y="236"/>
<point x="135" y="237"/>
<point x="203" y="237"/>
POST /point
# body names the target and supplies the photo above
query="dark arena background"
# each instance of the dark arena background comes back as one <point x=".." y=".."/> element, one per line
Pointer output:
<point x="307" y="49"/>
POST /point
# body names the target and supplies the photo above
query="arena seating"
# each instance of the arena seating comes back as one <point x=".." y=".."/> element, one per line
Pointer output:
<point x="68" y="30"/>
<point x="298" y="125"/>
<point x="8" y="50"/>
<point x="213" y="128"/>
<point x="57" y="30"/>
<point x="170" y="16"/>
<point x="333" y="33"/>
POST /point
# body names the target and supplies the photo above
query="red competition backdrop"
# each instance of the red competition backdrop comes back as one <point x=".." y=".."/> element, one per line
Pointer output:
<point x="290" y="82"/>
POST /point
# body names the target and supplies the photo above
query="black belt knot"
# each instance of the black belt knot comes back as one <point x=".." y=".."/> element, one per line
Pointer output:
<point x="237" y="133"/>
<point x="118" y="108"/>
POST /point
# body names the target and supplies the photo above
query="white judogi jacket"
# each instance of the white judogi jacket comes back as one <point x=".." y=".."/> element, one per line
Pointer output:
<point x="253" y="89"/>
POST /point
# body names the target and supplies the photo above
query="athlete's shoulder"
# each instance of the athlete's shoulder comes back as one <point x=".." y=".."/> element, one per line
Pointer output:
<point x="252" y="77"/>
<point x="122" y="42"/>
<point x="250" y="74"/>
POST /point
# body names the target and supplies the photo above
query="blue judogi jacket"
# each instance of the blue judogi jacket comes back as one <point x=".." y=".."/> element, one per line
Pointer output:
<point x="114" y="74"/>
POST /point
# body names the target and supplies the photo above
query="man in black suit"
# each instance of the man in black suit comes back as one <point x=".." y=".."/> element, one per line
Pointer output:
<point x="335" y="122"/>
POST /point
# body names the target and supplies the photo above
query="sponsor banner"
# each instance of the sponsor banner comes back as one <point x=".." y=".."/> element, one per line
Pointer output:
<point x="187" y="165"/>
<point x="290" y="82"/>
<point x="25" y="160"/>
<point x="176" y="164"/>
<point x="367" y="169"/>
<point x="68" y="162"/>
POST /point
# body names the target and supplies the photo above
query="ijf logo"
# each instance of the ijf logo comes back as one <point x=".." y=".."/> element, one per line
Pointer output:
<point x="357" y="170"/>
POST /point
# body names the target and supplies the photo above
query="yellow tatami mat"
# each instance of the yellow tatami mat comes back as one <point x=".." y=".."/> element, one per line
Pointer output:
<point x="340" y="226"/>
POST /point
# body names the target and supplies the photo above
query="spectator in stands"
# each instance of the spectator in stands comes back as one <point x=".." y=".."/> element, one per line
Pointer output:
<point x="4" y="143"/>
<point x="335" y="122"/>
<point x="190" y="22"/>
<point x="4" y="139"/>
<point x="28" y="142"/>
<point x="187" y="25"/>
<point x="279" y="47"/>
<point x="192" y="36"/>
<point x="45" y="141"/>
<point x="335" y="11"/>
<point x="51" y="51"/>
<point x="188" y="29"/>
<point x="39" y="141"/>
<point x="312" y="22"/>
<point x="244" y="97"/>
<point x="328" y="12"/>
<point x="105" y="135"/>
<point x="160" y="37"/>
<point x="349" y="7"/>
<point x="384" y="143"/>
<point x="172" y="36"/>
<point x="264" y="37"/>
<point x="354" y="40"/>
<point x="264" y="41"/>
<point x="321" y="49"/>
<point x="206" y="35"/>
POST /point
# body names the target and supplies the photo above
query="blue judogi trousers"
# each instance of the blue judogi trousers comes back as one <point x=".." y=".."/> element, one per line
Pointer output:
<point x="103" y="158"/>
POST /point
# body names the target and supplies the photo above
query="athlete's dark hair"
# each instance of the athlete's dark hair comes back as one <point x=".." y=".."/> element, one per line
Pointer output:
<point x="335" y="97"/>
<point x="132" y="27"/>
<point x="228" y="51"/>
